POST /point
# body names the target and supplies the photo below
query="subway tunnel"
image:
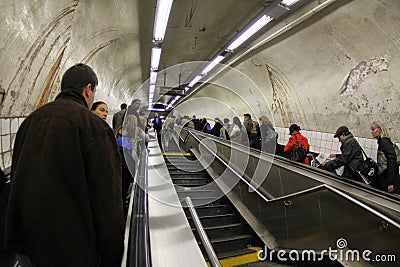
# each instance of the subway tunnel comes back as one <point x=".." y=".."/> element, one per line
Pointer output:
<point x="319" y="64"/>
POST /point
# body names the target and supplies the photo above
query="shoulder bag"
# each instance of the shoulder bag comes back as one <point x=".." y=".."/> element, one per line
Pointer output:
<point x="368" y="169"/>
<point x="382" y="160"/>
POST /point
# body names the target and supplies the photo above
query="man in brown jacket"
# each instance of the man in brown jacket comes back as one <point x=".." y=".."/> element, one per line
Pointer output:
<point x="65" y="206"/>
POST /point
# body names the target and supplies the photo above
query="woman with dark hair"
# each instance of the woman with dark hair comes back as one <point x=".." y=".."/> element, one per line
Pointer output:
<point x="388" y="170"/>
<point x="216" y="129"/>
<point x="100" y="109"/>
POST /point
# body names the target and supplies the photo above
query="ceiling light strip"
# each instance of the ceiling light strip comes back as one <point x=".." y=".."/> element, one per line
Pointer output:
<point x="195" y="80"/>
<point x="162" y="14"/>
<point x="261" y="22"/>
<point x="289" y="2"/>
<point x="212" y="64"/>
<point x="155" y="57"/>
<point x="153" y="77"/>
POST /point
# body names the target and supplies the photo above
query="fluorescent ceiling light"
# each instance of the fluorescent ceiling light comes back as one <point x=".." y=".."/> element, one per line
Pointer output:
<point x="249" y="32"/>
<point x="194" y="81"/>
<point x="289" y="2"/>
<point x="174" y="100"/>
<point x="153" y="77"/>
<point x="157" y="109"/>
<point x="162" y="14"/>
<point x="155" y="57"/>
<point x="212" y="64"/>
<point x="152" y="87"/>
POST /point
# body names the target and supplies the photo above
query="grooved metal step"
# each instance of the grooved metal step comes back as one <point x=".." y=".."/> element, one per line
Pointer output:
<point x="227" y="230"/>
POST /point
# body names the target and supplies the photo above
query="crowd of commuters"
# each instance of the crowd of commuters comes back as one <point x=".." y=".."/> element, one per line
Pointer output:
<point x="262" y="135"/>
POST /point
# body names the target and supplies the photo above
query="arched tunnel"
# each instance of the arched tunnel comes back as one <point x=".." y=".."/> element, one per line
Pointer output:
<point x="319" y="64"/>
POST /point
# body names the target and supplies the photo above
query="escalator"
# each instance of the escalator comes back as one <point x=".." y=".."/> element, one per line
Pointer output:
<point x="231" y="237"/>
<point x="295" y="208"/>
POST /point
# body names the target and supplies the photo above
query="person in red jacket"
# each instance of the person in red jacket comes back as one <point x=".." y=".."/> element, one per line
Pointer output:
<point x="294" y="131"/>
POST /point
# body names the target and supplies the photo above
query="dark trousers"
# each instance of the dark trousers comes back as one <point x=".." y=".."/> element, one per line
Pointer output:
<point x="24" y="260"/>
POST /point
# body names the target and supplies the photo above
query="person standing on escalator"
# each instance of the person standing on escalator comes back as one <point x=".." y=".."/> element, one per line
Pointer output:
<point x="296" y="140"/>
<point x="65" y="204"/>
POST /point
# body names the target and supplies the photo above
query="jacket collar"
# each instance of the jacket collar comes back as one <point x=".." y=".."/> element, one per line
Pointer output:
<point x="349" y="137"/>
<point x="74" y="96"/>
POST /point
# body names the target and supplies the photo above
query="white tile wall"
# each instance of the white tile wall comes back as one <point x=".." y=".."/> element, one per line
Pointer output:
<point x="321" y="142"/>
<point x="8" y="130"/>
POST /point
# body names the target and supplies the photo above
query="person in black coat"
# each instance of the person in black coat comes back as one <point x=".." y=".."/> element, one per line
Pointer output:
<point x="388" y="179"/>
<point x="216" y="129"/>
<point x="351" y="156"/>
<point x="157" y="125"/>
<point x="65" y="204"/>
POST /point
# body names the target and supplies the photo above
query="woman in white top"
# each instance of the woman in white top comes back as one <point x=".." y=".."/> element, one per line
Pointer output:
<point x="238" y="133"/>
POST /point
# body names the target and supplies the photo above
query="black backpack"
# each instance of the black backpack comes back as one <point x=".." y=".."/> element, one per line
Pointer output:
<point x="368" y="169"/>
<point x="298" y="154"/>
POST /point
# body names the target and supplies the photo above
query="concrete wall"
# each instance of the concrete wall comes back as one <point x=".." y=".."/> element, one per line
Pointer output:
<point x="339" y="68"/>
<point x="41" y="39"/>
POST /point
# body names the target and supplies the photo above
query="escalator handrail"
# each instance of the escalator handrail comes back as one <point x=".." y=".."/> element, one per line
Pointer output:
<point x="275" y="159"/>
<point x="212" y="256"/>
<point x="339" y="192"/>
<point x="138" y="250"/>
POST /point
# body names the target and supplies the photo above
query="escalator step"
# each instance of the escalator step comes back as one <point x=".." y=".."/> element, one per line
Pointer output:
<point x="230" y="238"/>
<point x="215" y="220"/>
<point x="231" y="243"/>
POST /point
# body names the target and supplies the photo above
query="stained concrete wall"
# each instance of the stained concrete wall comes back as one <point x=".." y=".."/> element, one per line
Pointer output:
<point x="339" y="68"/>
<point x="41" y="39"/>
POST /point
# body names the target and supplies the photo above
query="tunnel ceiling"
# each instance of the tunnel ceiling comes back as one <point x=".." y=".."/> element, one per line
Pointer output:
<point x="197" y="30"/>
<point x="42" y="38"/>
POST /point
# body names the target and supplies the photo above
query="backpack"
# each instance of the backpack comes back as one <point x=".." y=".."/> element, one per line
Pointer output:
<point x="253" y="131"/>
<point x="382" y="160"/>
<point x="298" y="154"/>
